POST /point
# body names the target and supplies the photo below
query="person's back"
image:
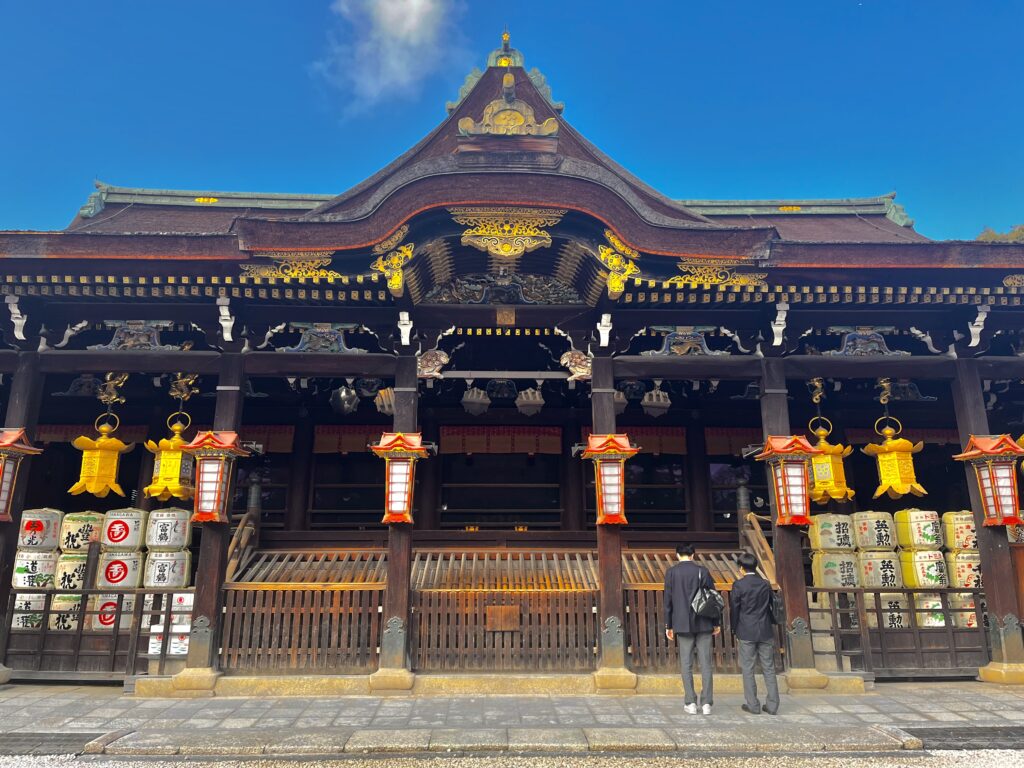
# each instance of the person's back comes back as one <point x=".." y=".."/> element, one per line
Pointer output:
<point x="750" y="606"/>
<point x="690" y="631"/>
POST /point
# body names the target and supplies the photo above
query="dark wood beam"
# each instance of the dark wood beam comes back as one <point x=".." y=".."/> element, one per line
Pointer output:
<point x="318" y="364"/>
<point x="868" y="367"/>
<point x="745" y="367"/>
<point x="99" y="361"/>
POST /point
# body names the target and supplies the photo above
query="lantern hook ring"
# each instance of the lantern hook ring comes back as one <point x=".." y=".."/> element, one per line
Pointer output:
<point x="186" y="421"/>
<point x="820" y="423"/>
<point x="109" y="419"/>
<point x="889" y="420"/>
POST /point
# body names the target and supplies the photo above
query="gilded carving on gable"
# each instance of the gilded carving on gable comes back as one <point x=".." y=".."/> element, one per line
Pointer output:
<point x="506" y="232"/>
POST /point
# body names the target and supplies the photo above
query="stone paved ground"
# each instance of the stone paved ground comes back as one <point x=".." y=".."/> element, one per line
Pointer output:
<point x="463" y="724"/>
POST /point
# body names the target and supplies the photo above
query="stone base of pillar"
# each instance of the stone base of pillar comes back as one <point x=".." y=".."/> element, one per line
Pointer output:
<point x="392" y="680"/>
<point x="5" y="674"/>
<point x="614" y="680"/>
<point x="1002" y="673"/>
<point x="195" y="682"/>
<point x="805" y="679"/>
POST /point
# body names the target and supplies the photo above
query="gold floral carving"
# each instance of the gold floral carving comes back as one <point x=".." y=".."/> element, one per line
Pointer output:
<point x="697" y="272"/>
<point x="506" y="232"/>
<point x="508" y="116"/>
<point x="392" y="242"/>
<point x="392" y="266"/>
<point x="619" y="260"/>
<point x="293" y="265"/>
<point x="618" y="245"/>
<point x="1014" y="281"/>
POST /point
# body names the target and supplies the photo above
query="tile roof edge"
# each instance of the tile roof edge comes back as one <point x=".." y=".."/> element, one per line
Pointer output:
<point x="882" y="205"/>
<point x="109" y="193"/>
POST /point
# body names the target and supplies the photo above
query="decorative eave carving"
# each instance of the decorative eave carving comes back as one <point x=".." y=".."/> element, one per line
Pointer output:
<point x="617" y="257"/>
<point x="323" y="338"/>
<point x="508" y="116"/>
<point x="293" y="265"/>
<point x="136" y="336"/>
<point x="683" y="341"/>
<point x="506" y="232"/>
<point x="503" y="288"/>
<point x="863" y="341"/>
<point x="700" y="271"/>
<point x="392" y="266"/>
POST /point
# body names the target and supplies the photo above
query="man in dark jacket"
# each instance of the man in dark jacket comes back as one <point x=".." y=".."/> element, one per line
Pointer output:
<point x="689" y="630"/>
<point x="750" y="604"/>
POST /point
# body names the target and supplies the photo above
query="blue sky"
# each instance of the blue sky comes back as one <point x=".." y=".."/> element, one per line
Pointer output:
<point x="721" y="99"/>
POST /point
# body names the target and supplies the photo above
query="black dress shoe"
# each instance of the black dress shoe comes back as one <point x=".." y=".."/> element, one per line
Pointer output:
<point x="770" y="711"/>
<point x="747" y="709"/>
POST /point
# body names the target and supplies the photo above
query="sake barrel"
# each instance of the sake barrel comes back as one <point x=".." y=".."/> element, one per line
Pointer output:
<point x="964" y="569"/>
<point x="79" y="529"/>
<point x="167" y="569"/>
<point x="104" y="612"/>
<point x="40" y="529"/>
<point x="831" y="533"/>
<point x="169" y="530"/>
<point x="923" y="569"/>
<point x="70" y="572"/>
<point x="958" y="530"/>
<point x="64" y="611"/>
<point x="918" y="529"/>
<point x="180" y="608"/>
<point x="963" y="608"/>
<point x="124" y="530"/>
<point x="834" y="570"/>
<point x="177" y="644"/>
<point x="119" y="570"/>
<point x="894" y="608"/>
<point x="928" y="611"/>
<point x="874" y="531"/>
<point x="28" y="611"/>
<point x="879" y="570"/>
<point x="34" y="568"/>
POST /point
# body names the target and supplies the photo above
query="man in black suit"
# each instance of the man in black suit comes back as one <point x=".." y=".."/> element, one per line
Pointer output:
<point x="750" y="604"/>
<point x="689" y="630"/>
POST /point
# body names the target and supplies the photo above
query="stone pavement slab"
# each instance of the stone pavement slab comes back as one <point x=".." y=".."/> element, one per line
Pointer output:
<point x="628" y="740"/>
<point x="547" y="740"/>
<point x="407" y="740"/>
<point x="469" y="740"/>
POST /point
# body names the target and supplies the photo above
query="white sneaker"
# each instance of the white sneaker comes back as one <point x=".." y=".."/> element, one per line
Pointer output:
<point x="706" y="709"/>
<point x="690" y="709"/>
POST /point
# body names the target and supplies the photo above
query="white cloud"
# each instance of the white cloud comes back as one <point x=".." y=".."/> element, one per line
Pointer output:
<point x="382" y="48"/>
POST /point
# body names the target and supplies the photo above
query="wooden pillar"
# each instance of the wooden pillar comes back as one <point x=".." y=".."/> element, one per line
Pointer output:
<point x="571" y="479"/>
<point x="213" y="545"/>
<point x="699" y="477"/>
<point x="300" y="472"/>
<point x="789" y="559"/>
<point x="23" y="403"/>
<point x="394" y="671"/>
<point x="612" y="672"/>
<point x="1001" y="596"/>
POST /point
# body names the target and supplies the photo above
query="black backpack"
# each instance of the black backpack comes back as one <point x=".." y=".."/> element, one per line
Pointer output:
<point x="778" y="608"/>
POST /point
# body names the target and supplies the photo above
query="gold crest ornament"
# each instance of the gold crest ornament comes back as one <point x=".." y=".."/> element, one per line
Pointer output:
<point x="172" y="467"/>
<point x="100" y="459"/>
<point x="506" y="232"/>
<point x="894" y="456"/>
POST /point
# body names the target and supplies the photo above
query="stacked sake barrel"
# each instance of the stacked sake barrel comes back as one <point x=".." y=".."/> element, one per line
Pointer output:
<point x="919" y="534"/>
<point x="879" y="568"/>
<point x="169" y="566"/>
<point x="120" y="566"/>
<point x="77" y="531"/>
<point x="963" y="565"/>
<point x="833" y="558"/>
<point x="35" y="564"/>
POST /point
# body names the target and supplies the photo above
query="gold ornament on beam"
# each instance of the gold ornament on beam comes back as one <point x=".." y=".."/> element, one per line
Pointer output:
<point x="619" y="261"/>
<point x="293" y="265"/>
<point x="699" y="271"/>
<point x="392" y="266"/>
<point x="506" y="232"/>
<point x="894" y="456"/>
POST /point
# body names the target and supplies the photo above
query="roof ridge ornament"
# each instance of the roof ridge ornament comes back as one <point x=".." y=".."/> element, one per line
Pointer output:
<point x="508" y="115"/>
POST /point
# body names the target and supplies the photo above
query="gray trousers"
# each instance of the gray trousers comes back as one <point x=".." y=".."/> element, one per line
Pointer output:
<point x="702" y="643"/>
<point x="750" y="653"/>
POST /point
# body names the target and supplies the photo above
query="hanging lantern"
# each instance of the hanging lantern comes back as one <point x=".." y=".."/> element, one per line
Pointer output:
<point x="788" y="459"/>
<point x="400" y="452"/>
<point x="100" y="459"/>
<point x="994" y="458"/>
<point x="215" y="454"/>
<point x="172" y="467"/>
<point x="828" y="476"/>
<point x="13" y="448"/>
<point x="895" y="461"/>
<point x="609" y="454"/>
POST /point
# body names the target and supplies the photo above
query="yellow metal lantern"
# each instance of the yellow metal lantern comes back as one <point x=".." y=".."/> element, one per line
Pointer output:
<point x="828" y="476"/>
<point x="215" y="454"/>
<point x="895" y="461"/>
<point x="788" y="457"/>
<point x="400" y="452"/>
<point x="172" y="467"/>
<point x="609" y="454"/>
<point x="100" y="459"/>
<point x="994" y="458"/>
<point x="13" y="448"/>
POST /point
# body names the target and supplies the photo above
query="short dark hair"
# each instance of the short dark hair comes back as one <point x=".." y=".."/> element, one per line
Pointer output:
<point x="685" y="550"/>
<point x="747" y="562"/>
